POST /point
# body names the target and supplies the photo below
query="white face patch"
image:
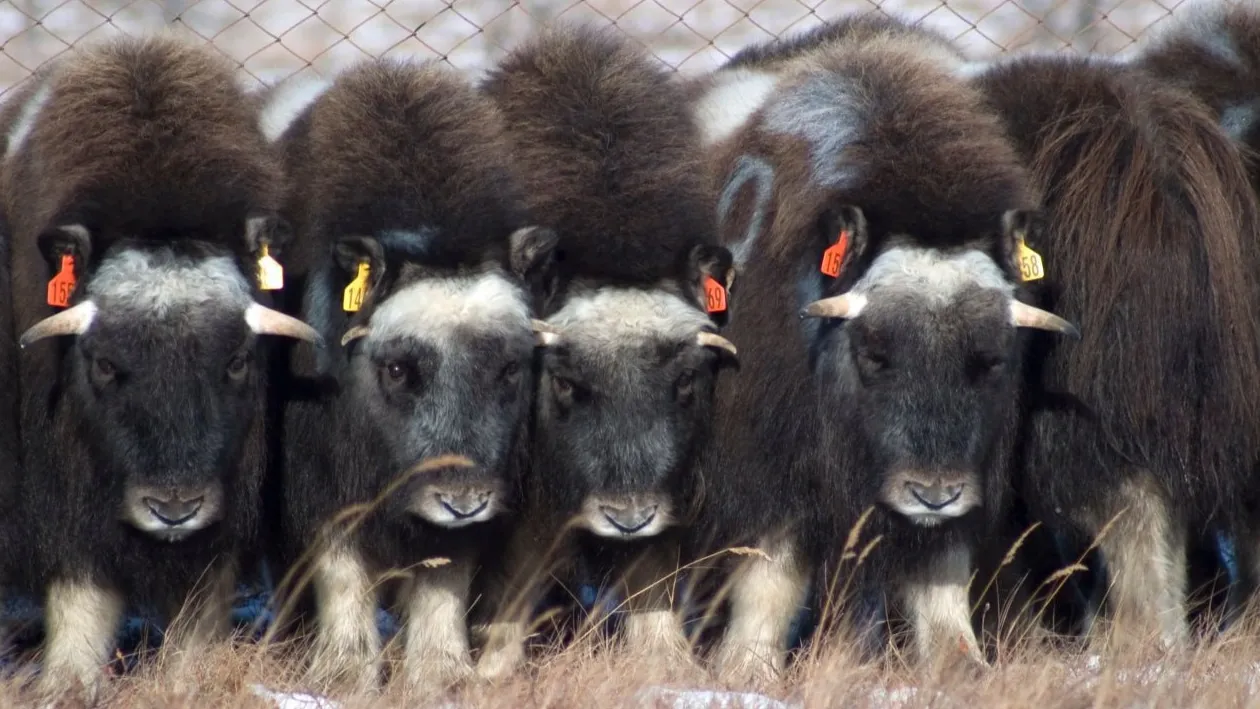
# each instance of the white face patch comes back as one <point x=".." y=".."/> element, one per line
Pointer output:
<point x="631" y="517"/>
<point x="431" y="309"/>
<point x="827" y="111"/>
<point x="154" y="284"/>
<point x="611" y="319"/>
<point x="287" y="102"/>
<point x="25" y="123"/>
<point x="931" y="275"/>
<point x="734" y="96"/>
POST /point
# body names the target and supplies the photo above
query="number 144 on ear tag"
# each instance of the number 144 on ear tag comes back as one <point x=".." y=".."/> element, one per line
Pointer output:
<point x="1030" y="266"/>
<point x="352" y="297"/>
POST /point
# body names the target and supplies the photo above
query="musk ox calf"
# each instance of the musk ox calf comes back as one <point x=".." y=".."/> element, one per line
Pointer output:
<point x="602" y="138"/>
<point x="876" y="212"/>
<point x="139" y="195"/>
<point x="1148" y="427"/>
<point x="402" y="193"/>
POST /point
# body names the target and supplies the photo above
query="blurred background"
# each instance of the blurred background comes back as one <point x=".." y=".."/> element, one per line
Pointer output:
<point x="273" y="39"/>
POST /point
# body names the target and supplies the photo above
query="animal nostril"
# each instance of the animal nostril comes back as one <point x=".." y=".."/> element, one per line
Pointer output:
<point x="465" y="506"/>
<point x="174" y="512"/>
<point x="935" y="496"/>
<point x="629" y="521"/>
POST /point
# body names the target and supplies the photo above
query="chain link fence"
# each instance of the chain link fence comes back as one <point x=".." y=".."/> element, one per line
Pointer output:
<point x="273" y="39"/>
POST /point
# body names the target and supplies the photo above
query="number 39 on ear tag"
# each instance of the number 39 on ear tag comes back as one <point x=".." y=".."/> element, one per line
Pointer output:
<point x="714" y="295"/>
<point x="1030" y="265"/>
<point x="62" y="285"/>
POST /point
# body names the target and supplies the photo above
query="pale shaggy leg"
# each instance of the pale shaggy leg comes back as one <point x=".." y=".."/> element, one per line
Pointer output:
<point x="436" y="645"/>
<point x="652" y="626"/>
<point x="510" y="601"/>
<point x="81" y="619"/>
<point x="939" y="609"/>
<point x="1145" y="550"/>
<point x="206" y="615"/>
<point x="765" y="595"/>
<point x="347" y="647"/>
<point x="504" y="649"/>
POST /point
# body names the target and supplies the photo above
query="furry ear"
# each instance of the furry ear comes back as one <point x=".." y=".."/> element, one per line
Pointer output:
<point x="709" y="261"/>
<point x="842" y="243"/>
<point x="72" y="239"/>
<point x="1028" y="225"/>
<point x="532" y="257"/>
<point x="351" y="252"/>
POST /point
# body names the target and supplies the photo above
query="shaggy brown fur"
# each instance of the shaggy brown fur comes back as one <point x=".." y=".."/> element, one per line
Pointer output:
<point x="875" y="123"/>
<point x="137" y="138"/>
<point x="1213" y="51"/>
<point x="1152" y="247"/>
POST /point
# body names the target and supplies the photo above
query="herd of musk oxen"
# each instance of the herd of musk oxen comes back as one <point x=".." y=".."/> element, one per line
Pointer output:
<point x="828" y="327"/>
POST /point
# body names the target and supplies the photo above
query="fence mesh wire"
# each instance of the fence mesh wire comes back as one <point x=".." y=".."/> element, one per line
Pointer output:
<point x="272" y="39"/>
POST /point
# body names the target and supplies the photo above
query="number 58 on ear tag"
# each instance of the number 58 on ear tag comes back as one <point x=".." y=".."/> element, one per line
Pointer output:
<point x="1030" y="266"/>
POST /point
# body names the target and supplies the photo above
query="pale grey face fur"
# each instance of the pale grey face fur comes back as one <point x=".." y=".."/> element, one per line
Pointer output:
<point x="623" y="402"/>
<point x="929" y="362"/>
<point x="446" y="370"/>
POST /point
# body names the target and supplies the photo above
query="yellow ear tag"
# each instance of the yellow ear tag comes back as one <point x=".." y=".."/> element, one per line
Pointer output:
<point x="1030" y="267"/>
<point x="270" y="272"/>
<point x="352" y="298"/>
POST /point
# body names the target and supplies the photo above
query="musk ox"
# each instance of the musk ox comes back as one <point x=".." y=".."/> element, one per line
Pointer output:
<point x="1148" y="427"/>
<point x="139" y="195"/>
<point x="401" y="186"/>
<point x="870" y="192"/>
<point x="601" y="135"/>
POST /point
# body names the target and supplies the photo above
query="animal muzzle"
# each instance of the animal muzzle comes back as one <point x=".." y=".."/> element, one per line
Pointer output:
<point x="454" y="505"/>
<point x="931" y="498"/>
<point x="625" y="516"/>
<point x="172" y="513"/>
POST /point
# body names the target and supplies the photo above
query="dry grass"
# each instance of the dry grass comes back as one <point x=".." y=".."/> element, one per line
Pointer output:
<point x="1218" y="674"/>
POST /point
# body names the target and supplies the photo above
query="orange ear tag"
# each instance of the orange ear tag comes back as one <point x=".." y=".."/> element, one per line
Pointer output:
<point x="834" y="256"/>
<point x="714" y="295"/>
<point x="62" y="284"/>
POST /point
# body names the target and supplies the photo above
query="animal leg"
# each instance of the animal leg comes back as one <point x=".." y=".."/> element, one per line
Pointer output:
<point x="939" y="609"/>
<point x="652" y="626"/>
<point x="82" y="619"/>
<point x="1145" y="550"/>
<point x="765" y="595"/>
<point x="436" y="646"/>
<point x="510" y="599"/>
<point x="347" y="648"/>
<point x="207" y="614"/>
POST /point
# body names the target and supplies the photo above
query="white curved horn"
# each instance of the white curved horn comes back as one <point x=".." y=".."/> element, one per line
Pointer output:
<point x="265" y="321"/>
<point x="712" y="339"/>
<point x="355" y="333"/>
<point x="72" y="321"/>
<point x="1024" y="315"/>
<point x="546" y="334"/>
<point x="846" y="305"/>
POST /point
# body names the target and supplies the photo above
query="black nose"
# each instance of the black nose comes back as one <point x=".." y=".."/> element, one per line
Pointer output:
<point x="174" y="512"/>
<point x="465" y="506"/>
<point x="936" y="496"/>
<point x="628" y="520"/>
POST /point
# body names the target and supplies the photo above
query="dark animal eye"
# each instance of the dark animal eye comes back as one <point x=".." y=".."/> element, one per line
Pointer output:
<point x="685" y="383"/>
<point x="510" y="372"/>
<point x="102" y="369"/>
<point x="395" y="372"/>
<point x="238" y="366"/>
<point x="562" y="387"/>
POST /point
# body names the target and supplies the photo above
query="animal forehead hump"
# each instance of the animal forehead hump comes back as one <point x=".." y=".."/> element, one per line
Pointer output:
<point x="487" y="302"/>
<point x="156" y="282"/>
<point x="932" y="275"/>
<point x="612" y="318"/>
